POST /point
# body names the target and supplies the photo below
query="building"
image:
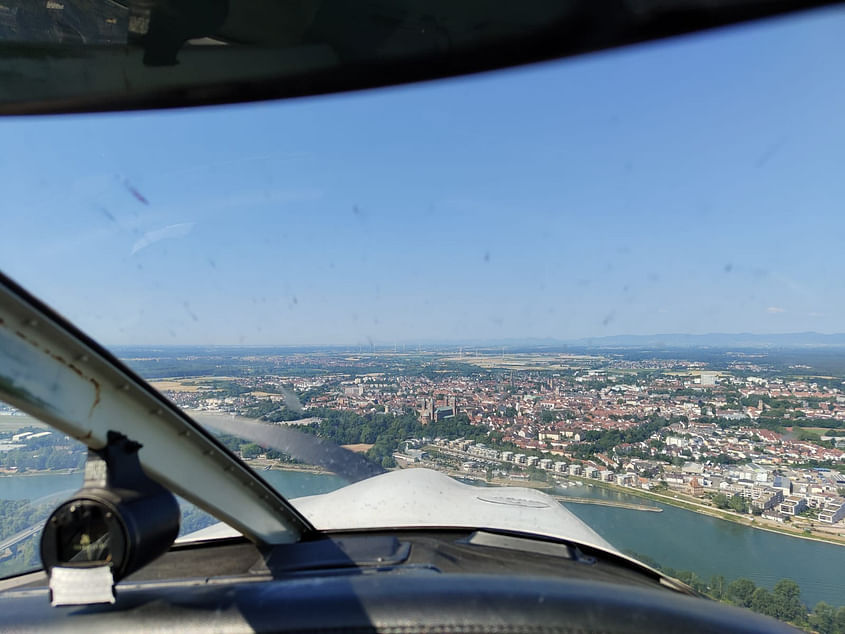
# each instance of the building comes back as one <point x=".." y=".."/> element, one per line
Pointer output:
<point x="783" y="483"/>
<point x="744" y="489"/>
<point x="626" y="479"/>
<point x="773" y="515"/>
<point x="832" y="513"/>
<point x="819" y="501"/>
<point x="708" y="379"/>
<point x="483" y="451"/>
<point x="443" y="412"/>
<point x="427" y="411"/>
<point x="673" y="477"/>
<point x="695" y="487"/>
<point x="430" y="412"/>
<point x="765" y="498"/>
<point x="793" y="505"/>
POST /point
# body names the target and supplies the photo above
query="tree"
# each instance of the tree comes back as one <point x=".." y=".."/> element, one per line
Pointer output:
<point x="548" y="416"/>
<point x="823" y="618"/>
<point x="738" y="504"/>
<point x="251" y="450"/>
<point x="368" y="434"/>
<point x="764" y="602"/>
<point x="839" y="621"/>
<point x="787" y="594"/>
<point x="740" y="592"/>
<point x="717" y="587"/>
<point x="692" y="580"/>
<point x="721" y="500"/>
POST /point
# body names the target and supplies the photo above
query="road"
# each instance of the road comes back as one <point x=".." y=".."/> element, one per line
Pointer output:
<point x="19" y="537"/>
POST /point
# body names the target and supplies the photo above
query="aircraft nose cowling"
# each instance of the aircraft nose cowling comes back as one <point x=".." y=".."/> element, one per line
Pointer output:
<point x="420" y="498"/>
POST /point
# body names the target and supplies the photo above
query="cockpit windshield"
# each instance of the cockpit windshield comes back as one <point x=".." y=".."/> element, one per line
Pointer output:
<point x="616" y="279"/>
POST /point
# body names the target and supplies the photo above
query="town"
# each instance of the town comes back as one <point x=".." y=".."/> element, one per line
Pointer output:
<point x="744" y="437"/>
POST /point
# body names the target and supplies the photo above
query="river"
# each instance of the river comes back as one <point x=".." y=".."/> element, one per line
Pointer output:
<point x="676" y="537"/>
<point x="35" y="487"/>
<point x="708" y="546"/>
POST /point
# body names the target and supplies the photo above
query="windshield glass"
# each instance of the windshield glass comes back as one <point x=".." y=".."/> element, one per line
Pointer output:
<point x="616" y="279"/>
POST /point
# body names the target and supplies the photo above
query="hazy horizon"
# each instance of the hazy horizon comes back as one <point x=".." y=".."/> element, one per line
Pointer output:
<point x="838" y="340"/>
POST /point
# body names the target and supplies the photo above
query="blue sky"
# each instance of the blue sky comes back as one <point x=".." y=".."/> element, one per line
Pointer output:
<point x="694" y="185"/>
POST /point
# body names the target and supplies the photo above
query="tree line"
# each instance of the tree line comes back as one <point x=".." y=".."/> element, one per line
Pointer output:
<point x="15" y="516"/>
<point x="51" y="452"/>
<point x="783" y="602"/>
<point x="387" y="431"/>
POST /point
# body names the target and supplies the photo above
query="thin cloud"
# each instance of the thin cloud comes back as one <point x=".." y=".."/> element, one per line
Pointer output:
<point x="775" y="310"/>
<point x="171" y="231"/>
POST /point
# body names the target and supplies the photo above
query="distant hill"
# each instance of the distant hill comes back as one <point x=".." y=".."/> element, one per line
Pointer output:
<point x="717" y="340"/>
<point x="666" y="340"/>
<point x="511" y="345"/>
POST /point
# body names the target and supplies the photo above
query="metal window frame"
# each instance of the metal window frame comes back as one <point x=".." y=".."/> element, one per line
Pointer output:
<point x="54" y="372"/>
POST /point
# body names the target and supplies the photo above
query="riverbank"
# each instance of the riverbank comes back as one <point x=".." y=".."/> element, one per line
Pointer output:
<point x="678" y="500"/>
<point x="258" y="465"/>
<point x="39" y="472"/>
<point x="691" y="504"/>
<point x="673" y="499"/>
<point x="619" y="505"/>
<point x="262" y="464"/>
